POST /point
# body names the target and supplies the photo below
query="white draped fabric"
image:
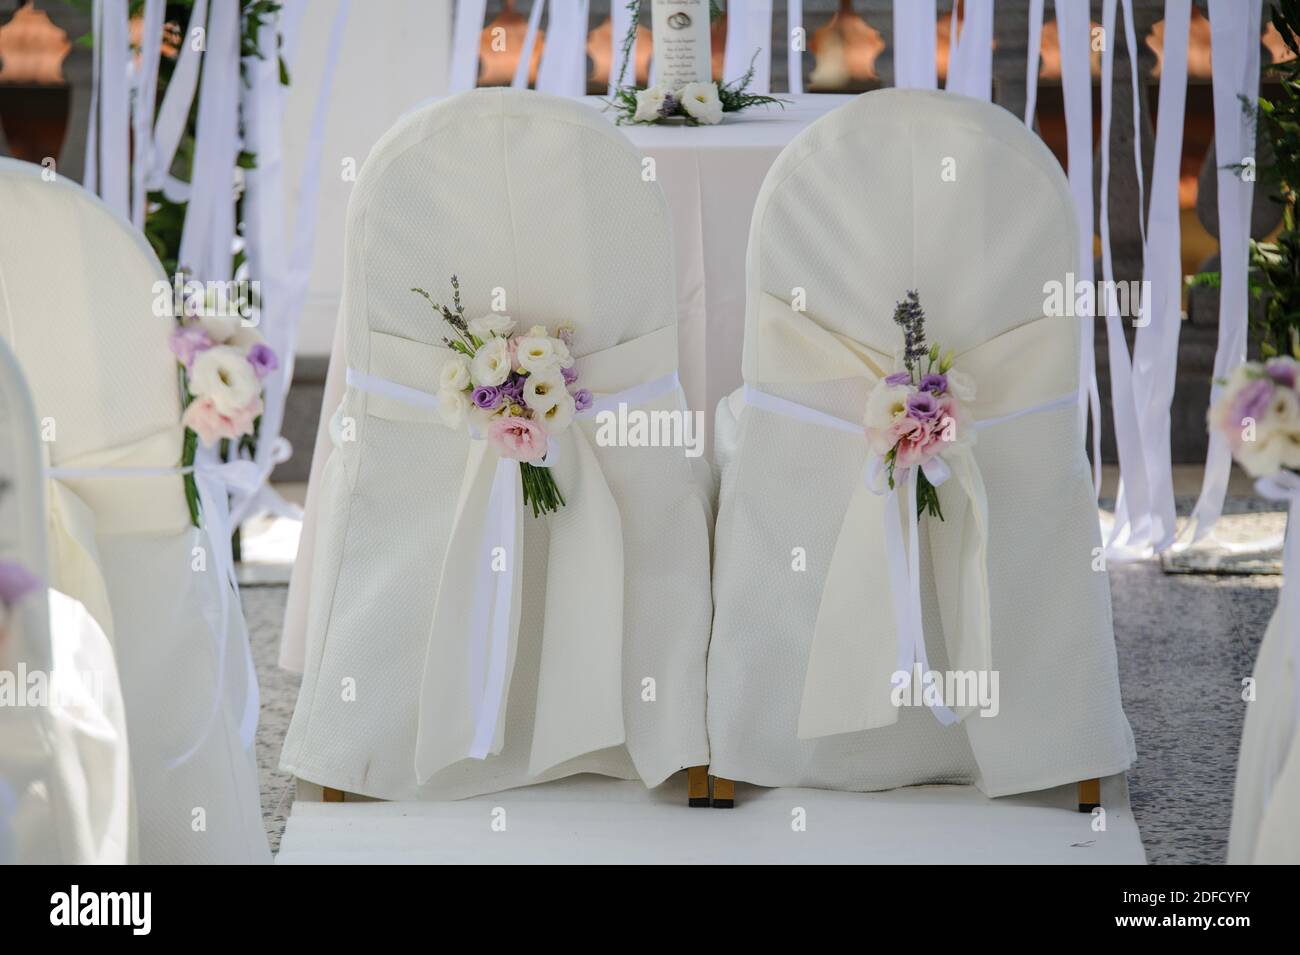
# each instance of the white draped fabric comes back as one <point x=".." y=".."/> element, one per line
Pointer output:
<point x="749" y="39"/>
<point x="914" y="45"/>
<point x="78" y="305"/>
<point x="65" y="778"/>
<point x="790" y="488"/>
<point x="1234" y="38"/>
<point x="541" y="198"/>
<point x="970" y="60"/>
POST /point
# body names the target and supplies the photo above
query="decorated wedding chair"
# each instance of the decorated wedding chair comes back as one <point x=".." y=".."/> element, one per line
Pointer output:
<point x="834" y="601"/>
<point x="78" y="289"/>
<point x="456" y="643"/>
<point x="65" y="779"/>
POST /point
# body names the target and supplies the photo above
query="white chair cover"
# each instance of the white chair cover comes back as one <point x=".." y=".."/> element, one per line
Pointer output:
<point x="898" y="190"/>
<point x="65" y="779"/>
<point x="1265" y="821"/>
<point x="77" y="308"/>
<point x="542" y="198"/>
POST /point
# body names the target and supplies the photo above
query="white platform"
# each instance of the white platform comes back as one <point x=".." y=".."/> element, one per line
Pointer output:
<point x="597" y="820"/>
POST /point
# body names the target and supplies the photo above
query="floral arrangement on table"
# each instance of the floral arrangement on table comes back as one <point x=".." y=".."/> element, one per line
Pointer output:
<point x="918" y="414"/>
<point x="698" y="104"/>
<point x="518" y="390"/>
<point x="222" y="364"/>
<point x="1258" y="413"/>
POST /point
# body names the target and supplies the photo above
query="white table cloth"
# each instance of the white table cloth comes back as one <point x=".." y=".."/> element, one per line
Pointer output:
<point x="711" y="176"/>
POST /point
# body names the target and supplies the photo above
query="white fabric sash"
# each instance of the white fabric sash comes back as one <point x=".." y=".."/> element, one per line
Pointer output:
<point x="902" y="557"/>
<point x="72" y="526"/>
<point x="1284" y="487"/>
<point x="749" y="32"/>
<point x="914" y="40"/>
<point x="970" y="63"/>
<point x="463" y="73"/>
<point x="520" y="79"/>
<point x="475" y="625"/>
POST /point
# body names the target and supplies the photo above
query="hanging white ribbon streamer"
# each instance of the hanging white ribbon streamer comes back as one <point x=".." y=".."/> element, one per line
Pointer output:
<point x="215" y="480"/>
<point x="620" y="21"/>
<point x="1155" y="351"/>
<point x="1129" y="534"/>
<point x="522" y="68"/>
<point x="142" y="105"/>
<point x="914" y="45"/>
<point x="970" y="60"/>
<point x="1035" y="43"/>
<point x="903" y="548"/>
<point x="1234" y="38"/>
<point x="749" y="32"/>
<point x="465" y="34"/>
<point x="563" y="70"/>
<point x="174" y="113"/>
<point x="107" y="147"/>
<point x="492" y="610"/>
<point x="1074" y="31"/>
<point x="796" y="41"/>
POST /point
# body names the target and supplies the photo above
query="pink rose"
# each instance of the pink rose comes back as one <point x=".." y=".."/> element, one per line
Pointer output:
<point x="520" y="439"/>
<point x="203" y="418"/>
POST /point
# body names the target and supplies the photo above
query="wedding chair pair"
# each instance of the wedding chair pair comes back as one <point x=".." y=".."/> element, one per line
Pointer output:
<point x="65" y="781"/>
<point x="77" y="290"/>
<point x="410" y="692"/>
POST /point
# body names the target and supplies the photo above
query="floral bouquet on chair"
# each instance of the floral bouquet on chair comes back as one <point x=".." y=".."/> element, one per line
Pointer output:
<point x="516" y="390"/>
<point x="1258" y="413"/>
<point x="916" y="415"/>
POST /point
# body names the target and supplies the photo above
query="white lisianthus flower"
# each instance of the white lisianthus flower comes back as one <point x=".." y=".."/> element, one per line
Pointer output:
<point x="491" y="364"/>
<point x="561" y="415"/>
<point x="486" y="326"/>
<point x="960" y="385"/>
<point x="455" y="374"/>
<point x="700" y="100"/>
<point x="245" y="337"/>
<point x="543" y="392"/>
<point x="563" y="356"/>
<point x="220" y="328"/>
<point x="885" y="405"/>
<point x="223" y="374"/>
<point x="537" y="355"/>
<point x="648" y="103"/>
<point x="452" y="407"/>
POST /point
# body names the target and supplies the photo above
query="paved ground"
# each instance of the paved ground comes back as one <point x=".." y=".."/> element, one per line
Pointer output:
<point x="1185" y="641"/>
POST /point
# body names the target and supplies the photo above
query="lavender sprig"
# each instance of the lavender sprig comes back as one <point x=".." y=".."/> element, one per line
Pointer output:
<point x="909" y="316"/>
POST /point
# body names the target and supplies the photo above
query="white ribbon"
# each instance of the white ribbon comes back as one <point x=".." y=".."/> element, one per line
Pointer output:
<point x="174" y="112"/>
<point x="1035" y="43"/>
<point x="563" y="70"/>
<point x="1074" y="34"/>
<point x="795" y="43"/>
<point x="970" y="60"/>
<point x="749" y="32"/>
<point x="902" y="548"/>
<point x="142" y="105"/>
<point x="1131" y="531"/>
<point x="107" y="150"/>
<point x="914" y="41"/>
<point x="520" y="79"/>
<point x="1234" y="36"/>
<point x="493" y="613"/>
<point x="1155" y="351"/>
<point x="463" y="74"/>
<point x="215" y="480"/>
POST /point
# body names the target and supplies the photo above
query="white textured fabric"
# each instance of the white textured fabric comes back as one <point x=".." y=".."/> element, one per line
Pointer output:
<point x="76" y="306"/>
<point x="1265" y="823"/>
<point x="540" y="197"/>
<point x="855" y="212"/>
<point x="65" y="780"/>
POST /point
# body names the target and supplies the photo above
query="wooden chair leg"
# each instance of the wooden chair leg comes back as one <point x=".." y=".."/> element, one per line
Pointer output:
<point x="724" y="793"/>
<point x="697" y="786"/>
<point x="332" y="795"/>
<point x="1089" y="795"/>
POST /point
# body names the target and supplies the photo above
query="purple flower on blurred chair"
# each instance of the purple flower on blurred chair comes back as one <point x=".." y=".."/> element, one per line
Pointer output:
<point x="934" y="383"/>
<point x="486" y="397"/>
<point x="263" y="360"/>
<point x="582" y="399"/>
<point x="187" y="341"/>
<point x="570" y="374"/>
<point x="899" y="378"/>
<point x="922" y="406"/>
<point x="16" y="582"/>
<point x="1252" y="401"/>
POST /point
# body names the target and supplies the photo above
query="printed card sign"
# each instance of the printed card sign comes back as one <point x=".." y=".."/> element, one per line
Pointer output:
<point x="681" y="42"/>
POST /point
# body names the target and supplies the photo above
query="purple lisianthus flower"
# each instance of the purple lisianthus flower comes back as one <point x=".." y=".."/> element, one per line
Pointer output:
<point x="670" y="106"/>
<point x="582" y="399"/>
<point x="262" y="357"/>
<point x="486" y="397"/>
<point x="1252" y="401"/>
<point x="1281" y="371"/>
<point x="570" y="374"/>
<point x="922" y="406"/>
<point x="514" y="387"/>
<point x="187" y="341"/>
<point x="565" y="334"/>
<point x="934" y="383"/>
<point x="16" y="582"/>
<point x="899" y="378"/>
